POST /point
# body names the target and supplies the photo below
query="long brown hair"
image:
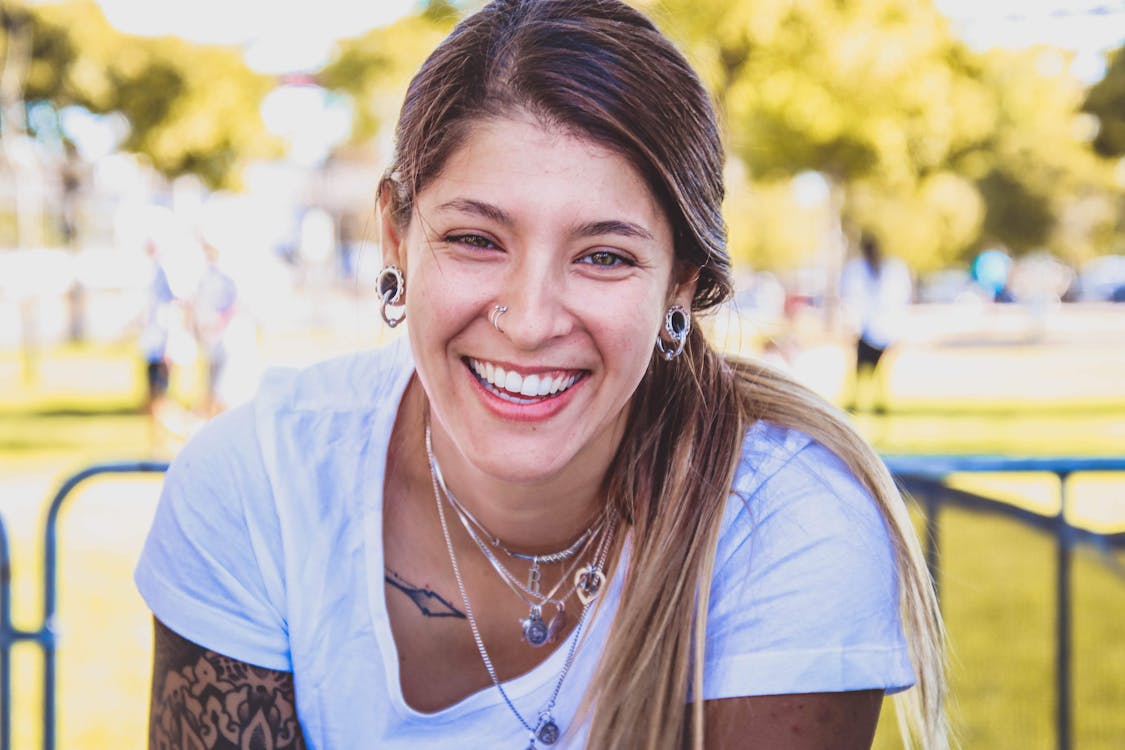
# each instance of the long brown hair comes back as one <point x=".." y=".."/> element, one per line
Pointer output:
<point x="602" y="70"/>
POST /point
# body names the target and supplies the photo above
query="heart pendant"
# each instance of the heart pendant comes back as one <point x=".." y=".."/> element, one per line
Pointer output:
<point x="587" y="583"/>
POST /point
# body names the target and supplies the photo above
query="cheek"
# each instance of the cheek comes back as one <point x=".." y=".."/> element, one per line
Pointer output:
<point x="631" y="340"/>
<point x="438" y="296"/>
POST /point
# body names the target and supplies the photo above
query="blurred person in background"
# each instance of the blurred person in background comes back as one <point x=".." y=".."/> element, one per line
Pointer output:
<point x="213" y="308"/>
<point x="552" y="513"/>
<point x="153" y="342"/>
<point x="877" y="292"/>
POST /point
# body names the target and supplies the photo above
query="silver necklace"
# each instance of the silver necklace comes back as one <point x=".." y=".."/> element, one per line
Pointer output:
<point x="588" y="581"/>
<point x="535" y="559"/>
<point x="548" y="558"/>
<point x="534" y="630"/>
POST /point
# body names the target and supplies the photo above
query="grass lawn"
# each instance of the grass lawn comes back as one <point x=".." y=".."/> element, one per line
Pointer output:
<point x="997" y="581"/>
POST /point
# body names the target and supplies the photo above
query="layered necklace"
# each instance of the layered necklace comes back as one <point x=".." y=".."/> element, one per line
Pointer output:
<point x="588" y="583"/>
<point x="535" y="631"/>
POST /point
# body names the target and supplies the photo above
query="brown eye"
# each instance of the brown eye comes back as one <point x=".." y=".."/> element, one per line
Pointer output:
<point x="472" y="240"/>
<point x="605" y="259"/>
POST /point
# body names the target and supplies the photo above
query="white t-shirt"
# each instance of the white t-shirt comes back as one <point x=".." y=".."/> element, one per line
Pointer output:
<point x="266" y="547"/>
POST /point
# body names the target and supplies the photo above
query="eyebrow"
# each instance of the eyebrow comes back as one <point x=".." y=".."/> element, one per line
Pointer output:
<point x="589" y="229"/>
<point x="624" y="228"/>
<point x="479" y="208"/>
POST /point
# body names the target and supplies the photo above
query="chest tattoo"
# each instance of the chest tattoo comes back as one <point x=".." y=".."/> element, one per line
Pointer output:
<point x="430" y="603"/>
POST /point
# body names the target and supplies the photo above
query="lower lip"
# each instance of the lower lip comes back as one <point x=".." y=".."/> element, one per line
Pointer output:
<point x="533" y="412"/>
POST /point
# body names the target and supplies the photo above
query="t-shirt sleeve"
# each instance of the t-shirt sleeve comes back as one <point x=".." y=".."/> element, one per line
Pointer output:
<point x="805" y="593"/>
<point x="210" y="567"/>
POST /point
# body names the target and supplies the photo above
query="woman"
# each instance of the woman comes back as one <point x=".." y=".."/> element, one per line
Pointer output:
<point x="553" y="515"/>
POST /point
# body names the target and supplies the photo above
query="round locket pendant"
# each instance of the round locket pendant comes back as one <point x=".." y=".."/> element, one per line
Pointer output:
<point x="535" y="631"/>
<point x="548" y="731"/>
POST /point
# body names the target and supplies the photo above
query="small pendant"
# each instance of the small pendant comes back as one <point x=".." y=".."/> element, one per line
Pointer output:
<point x="535" y="631"/>
<point x="548" y="731"/>
<point x="556" y="626"/>
<point x="588" y="581"/>
<point x="534" y="576"/>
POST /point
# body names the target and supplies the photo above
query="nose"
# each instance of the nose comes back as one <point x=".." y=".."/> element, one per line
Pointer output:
<point x="537" y="306"/>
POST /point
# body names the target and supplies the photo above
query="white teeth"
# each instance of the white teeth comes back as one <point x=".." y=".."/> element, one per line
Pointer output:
<point x="511" y="382"/>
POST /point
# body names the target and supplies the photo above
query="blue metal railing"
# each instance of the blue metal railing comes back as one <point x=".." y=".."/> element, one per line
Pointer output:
<point x="921" y="476"/>
<point x="45" y="636"/>
<point x="924" y="476"/>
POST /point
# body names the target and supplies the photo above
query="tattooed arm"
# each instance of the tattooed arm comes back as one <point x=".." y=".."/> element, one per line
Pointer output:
<point x="201" y="699"/>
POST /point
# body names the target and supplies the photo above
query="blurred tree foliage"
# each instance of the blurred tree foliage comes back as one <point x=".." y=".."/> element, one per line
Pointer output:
<point x="935" y="148"/>
<point x="1106" y="100"/>
<point x="375" y="69"/>
<point x="191" y="109"/>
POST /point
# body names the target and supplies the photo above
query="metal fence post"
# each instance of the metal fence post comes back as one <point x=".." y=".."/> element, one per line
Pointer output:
<point x="47" y="632"/>
<point x="1063" y="621"/>
<point x="6" y="639"/>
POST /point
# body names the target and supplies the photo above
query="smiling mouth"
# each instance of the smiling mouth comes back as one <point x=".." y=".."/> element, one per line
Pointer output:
<point x="518" y="388"/>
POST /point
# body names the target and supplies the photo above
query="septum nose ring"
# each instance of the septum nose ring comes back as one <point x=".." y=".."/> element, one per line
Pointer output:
<point x="494" y="316"/>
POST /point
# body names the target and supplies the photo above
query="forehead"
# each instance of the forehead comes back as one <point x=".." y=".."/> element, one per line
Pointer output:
<point x="521" y="163"/>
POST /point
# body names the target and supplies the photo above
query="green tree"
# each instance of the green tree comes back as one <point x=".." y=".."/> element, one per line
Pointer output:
<point x="375" y="69"/>
<point x="192" y="109"/>
<point x="1106" y="100"/>
<point x="934" y="147"/>
<point x="1043" y="183"/>
<point x="874" y="94"/>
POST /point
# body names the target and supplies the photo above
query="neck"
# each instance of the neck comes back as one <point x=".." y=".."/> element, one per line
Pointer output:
<point x="537" y="517"/>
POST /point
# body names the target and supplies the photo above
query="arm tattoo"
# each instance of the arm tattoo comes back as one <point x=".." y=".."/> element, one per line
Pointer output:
<point x="205" y="701"/>
<point x="431" y="603"/>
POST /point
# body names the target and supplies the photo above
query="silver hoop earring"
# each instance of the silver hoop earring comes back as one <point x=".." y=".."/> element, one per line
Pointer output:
<point x="391" y="285"/>
<point x="677" y="323"/>
<point x="494" y="316"/>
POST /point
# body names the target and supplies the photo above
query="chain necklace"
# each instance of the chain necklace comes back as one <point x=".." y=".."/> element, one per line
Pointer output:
<point x="534" y="630"/>
<point x="550" y="557"/>
<point x="588" y="583"/>
<point x="467" y="517"/>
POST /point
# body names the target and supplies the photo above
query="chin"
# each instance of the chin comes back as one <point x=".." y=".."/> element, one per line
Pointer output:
<point x="527" y="471"/>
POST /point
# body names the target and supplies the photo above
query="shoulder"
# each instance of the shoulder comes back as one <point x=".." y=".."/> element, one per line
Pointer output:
<point x="349" y="382"/>
<point x="804" y="596"/>
<point x="775" y="460"/>
<point x="364" y="384"/>
<point x="260" y="491"/>
<point x="788" y="483"/>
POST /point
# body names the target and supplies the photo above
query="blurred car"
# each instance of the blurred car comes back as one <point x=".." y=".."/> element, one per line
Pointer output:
<point x="951" y="285"/>
<point x="1102" y="280"/>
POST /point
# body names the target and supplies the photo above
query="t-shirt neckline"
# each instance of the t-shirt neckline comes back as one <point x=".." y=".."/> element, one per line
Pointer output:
<point x="546" y="672"/>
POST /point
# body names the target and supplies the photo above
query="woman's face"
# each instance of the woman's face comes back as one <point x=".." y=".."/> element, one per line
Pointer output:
<point x="567" y="235"/>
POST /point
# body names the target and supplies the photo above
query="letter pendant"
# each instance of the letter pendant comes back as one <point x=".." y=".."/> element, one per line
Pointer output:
<point x="534" y="576"/>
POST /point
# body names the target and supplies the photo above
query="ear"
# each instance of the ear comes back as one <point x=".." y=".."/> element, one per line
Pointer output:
<point x="683" y="290"/>
<point x="391" y="236"/>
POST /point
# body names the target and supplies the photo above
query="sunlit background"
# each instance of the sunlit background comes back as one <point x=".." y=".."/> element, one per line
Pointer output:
<point x="982" y="143"/>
